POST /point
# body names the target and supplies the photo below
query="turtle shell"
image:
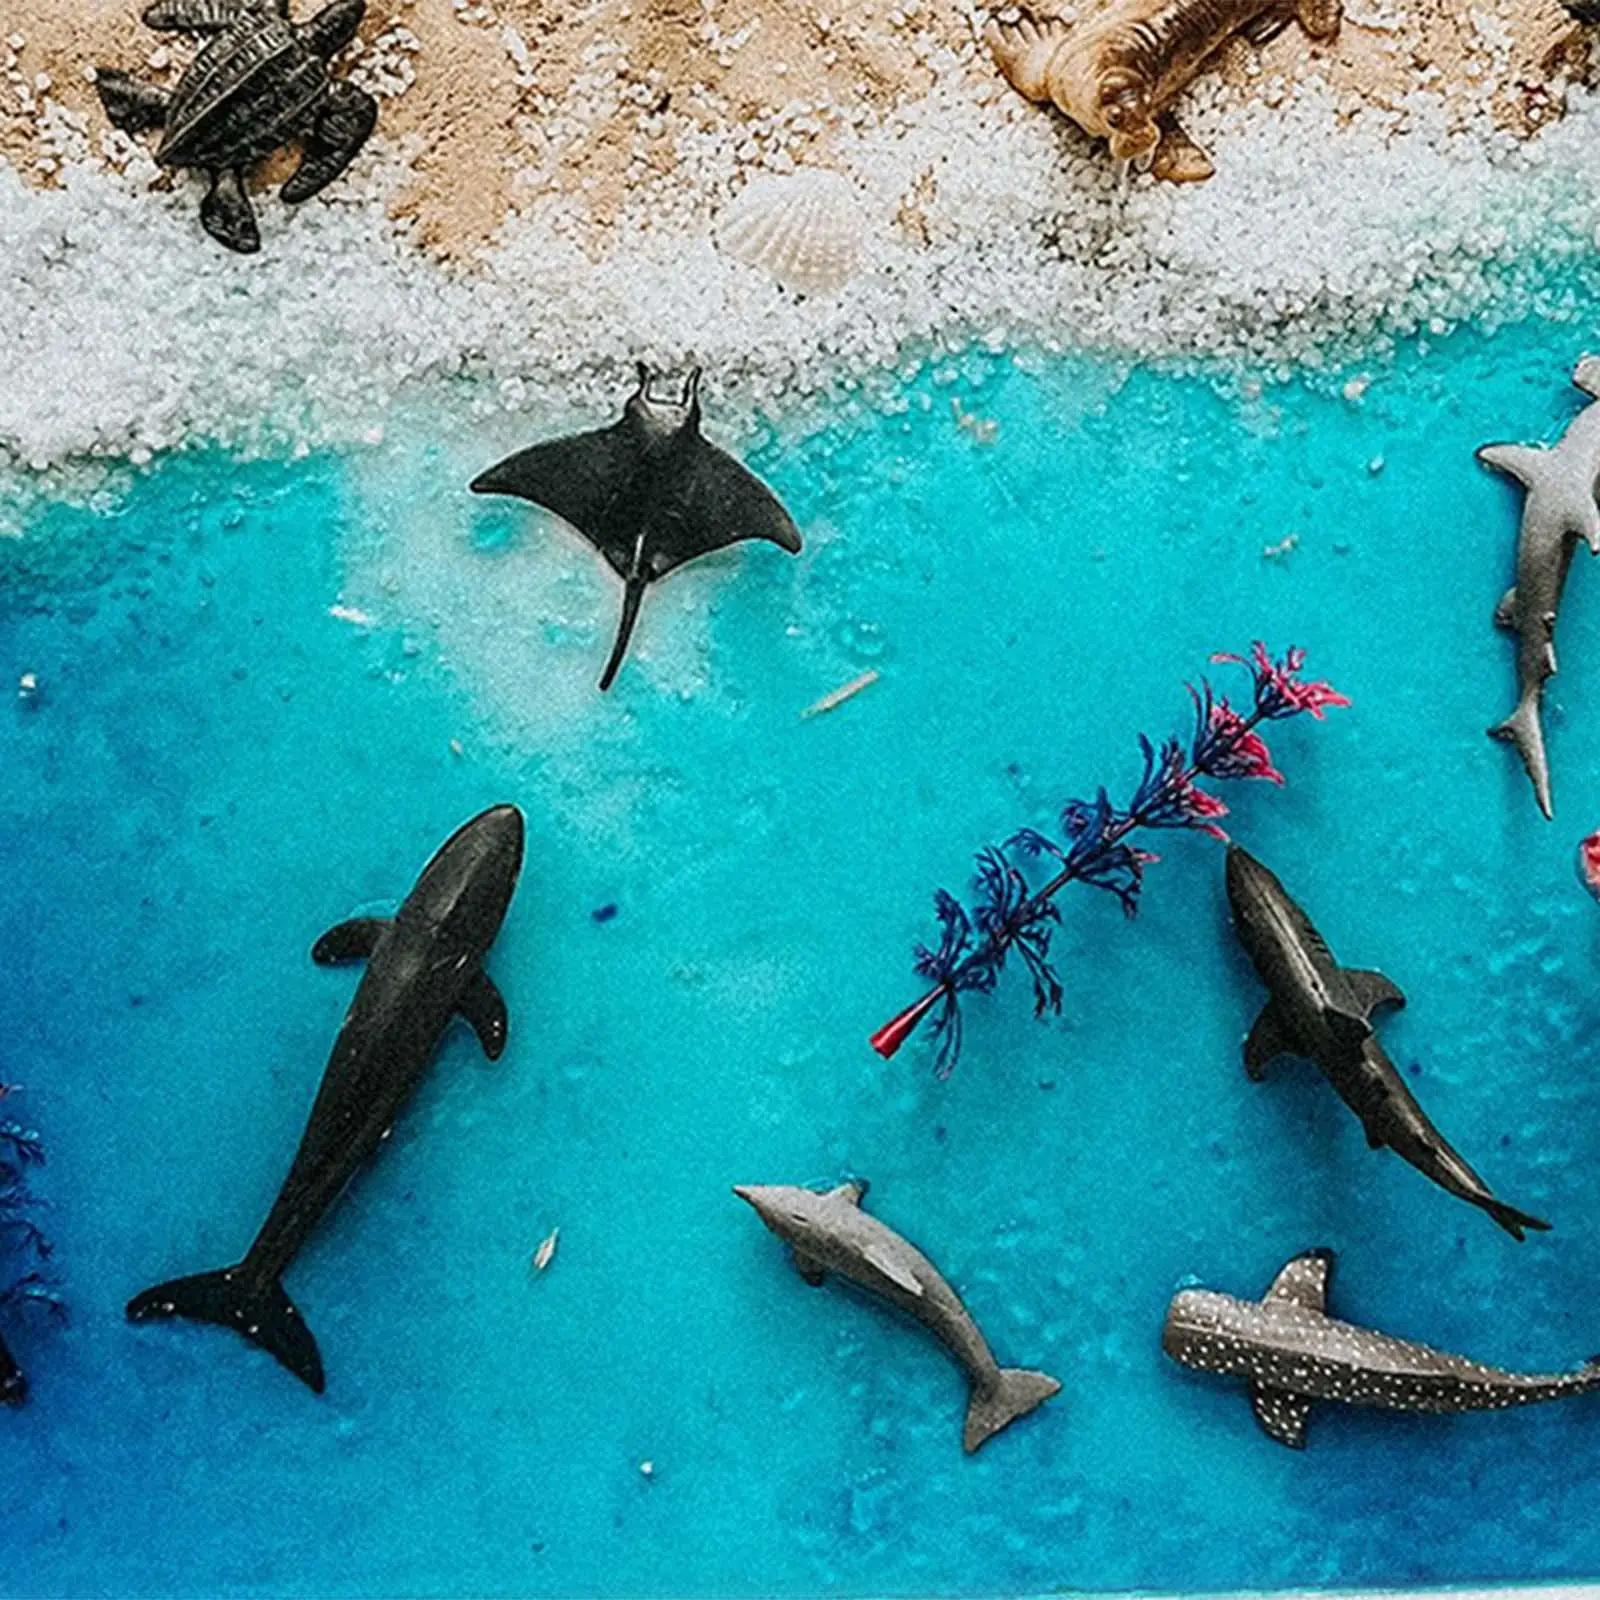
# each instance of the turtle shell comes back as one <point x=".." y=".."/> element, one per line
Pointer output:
<point x="243" y="96"/>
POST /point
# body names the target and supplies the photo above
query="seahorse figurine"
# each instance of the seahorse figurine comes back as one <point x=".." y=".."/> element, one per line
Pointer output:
<point x="1117" y="74"/>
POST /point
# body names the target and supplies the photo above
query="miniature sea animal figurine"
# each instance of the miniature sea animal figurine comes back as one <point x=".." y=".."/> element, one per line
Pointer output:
<point x="648" y="493"/>
<point x="1117" y="74"/>
<point x="1585" y="11"/>
<point x="1323" y="1011"/>
<point x="831" y="1233"/>
<point x="1558" y="511"/>
<point x="260" y="82"/>
<point x="425" y="966"/>
<point x="802" y="229"/>
<point x="1293" y="1354"/>
<point x="1589" y="864"/>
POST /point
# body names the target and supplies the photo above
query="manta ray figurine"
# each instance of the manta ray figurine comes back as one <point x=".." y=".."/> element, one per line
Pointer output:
<point x="1293" y="1354"/>
<point x="1559" y="510"/>
<point x="1323" y="1011"/>
<point x="261" y="82"/>
<point x="831" y="1233"/>
<point x="1117" y="73"/>
<point x="648" y="493"/>
<point x="424" y="967"/>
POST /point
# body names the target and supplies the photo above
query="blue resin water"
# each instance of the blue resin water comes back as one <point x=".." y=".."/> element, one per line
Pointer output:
<point x="216" y="769"/>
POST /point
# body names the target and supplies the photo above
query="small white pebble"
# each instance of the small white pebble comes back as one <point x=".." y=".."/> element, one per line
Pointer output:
<point x="647" y="1469"/>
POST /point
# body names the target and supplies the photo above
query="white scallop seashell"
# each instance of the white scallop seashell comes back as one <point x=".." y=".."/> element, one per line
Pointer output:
<point x="803" y="229"/>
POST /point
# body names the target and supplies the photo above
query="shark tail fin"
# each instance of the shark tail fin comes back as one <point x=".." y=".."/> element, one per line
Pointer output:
<point x="1513" y="1221"/>
<point x="1016" y="1392"/>
<point x="234" y="1298"/>
<point x="1524" y="730"/>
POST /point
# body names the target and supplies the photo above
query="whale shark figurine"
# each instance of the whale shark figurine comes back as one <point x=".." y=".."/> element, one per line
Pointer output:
<point x="1558" y="511"/>
<point x="1322" y="1011"/>
<point x="831" y="1233"/>
<point x="423" y="968"/>
<point x="648" y="493"/>
<point x="1292" y="1354"/>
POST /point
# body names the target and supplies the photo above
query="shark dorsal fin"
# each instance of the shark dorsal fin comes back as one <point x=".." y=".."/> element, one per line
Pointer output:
<point x="882" y="1256"/>
<point x="1350" y="1029"/>
<point x="1374" y="990"/>
<point x="1303" y="1281"/>
<point x="1282" y="1415"/>
<point x="852" y="1189"/>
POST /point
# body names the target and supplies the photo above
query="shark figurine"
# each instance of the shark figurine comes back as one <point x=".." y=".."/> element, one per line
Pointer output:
<point x="1559" y="509"/>
<point x="648" y="493"/>
<point x="424" y="968"/>
<point x="831" y="1233"/>
<point x="1323" y="1011"/>
<point x="1293" y="1354"/>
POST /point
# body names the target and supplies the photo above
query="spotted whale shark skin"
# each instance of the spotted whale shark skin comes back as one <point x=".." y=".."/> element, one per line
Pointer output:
<point x="831" y="1233"/>
<point x="424" y="968"/>
<point x="1292" y="1354"/>
<point x="1323" y="1011"/>
<point x="1559" y="510"/>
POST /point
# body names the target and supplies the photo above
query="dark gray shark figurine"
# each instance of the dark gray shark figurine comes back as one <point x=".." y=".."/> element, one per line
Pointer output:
<point x="831" y="1233"/>
<point x="1558" y="511"/>
<point x="423" y="968"/>
<point x="1292" y="1354"/>
<point x="648" y="493"/>
<point x="261" y="82"/>
<point x="1323" y="1011"/>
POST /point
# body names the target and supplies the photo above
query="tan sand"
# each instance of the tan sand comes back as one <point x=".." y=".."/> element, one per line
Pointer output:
<point x="494" y="103"/>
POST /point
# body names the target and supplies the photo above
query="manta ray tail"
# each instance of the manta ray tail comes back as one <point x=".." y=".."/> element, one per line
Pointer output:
<point x="631" y="596"/>
<point x="1524" y="730"/>
<point x="1014" y="1395"/>
<point x="232" y="1298"/>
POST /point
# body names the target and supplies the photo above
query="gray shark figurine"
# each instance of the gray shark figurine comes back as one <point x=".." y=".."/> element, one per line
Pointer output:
<point x="1322" y="1011"/>
<point x="1558" y="511"/>
<point x="1292" y="1354"/>
<point x="831" y="1233"/>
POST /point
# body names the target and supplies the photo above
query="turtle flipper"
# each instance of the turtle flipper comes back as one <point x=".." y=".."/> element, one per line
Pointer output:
<point x="193" y="16"/>
<point x="345" y="117"/>
<point x="226" y="214"/>
<point x="333" y="27"/>
<point x="132" y="106"/>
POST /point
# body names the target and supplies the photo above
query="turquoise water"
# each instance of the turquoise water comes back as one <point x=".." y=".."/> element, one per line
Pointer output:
<point x="216" y="769"/>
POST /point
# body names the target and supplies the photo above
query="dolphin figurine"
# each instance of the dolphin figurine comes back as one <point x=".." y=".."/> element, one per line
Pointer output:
<point x="1558" y="511"/>
<point x="1322" y="1011"/>
<point x="831" y="1233"/>
<point x="423" y="968"/>
<point x="648" y="493"/>
<point x="1292" y="1354"/>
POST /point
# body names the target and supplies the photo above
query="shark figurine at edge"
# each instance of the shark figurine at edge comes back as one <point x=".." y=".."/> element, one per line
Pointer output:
<point x="831" y="1233"/>
<point x="1293" y="1354"/>
<point x="1323" y="1011"/>
<point x="1559" y="509"/>
<point x="424" y="968"/>
<point x="649" y="493"/>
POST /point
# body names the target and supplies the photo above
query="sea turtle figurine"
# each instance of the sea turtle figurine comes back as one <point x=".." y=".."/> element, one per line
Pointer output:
<point x="1117" y="73"/>
<point x="260" y="82"/>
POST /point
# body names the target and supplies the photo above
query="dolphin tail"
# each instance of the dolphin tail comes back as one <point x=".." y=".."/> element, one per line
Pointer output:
<point x="631" y="596"/>
<point x="1524" y="730"/>
<point x="1014" y="1394"/>
<point x="234" y="1298"/>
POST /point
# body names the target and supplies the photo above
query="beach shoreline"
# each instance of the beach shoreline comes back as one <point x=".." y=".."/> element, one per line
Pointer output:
<point x="1337" y="225"/>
